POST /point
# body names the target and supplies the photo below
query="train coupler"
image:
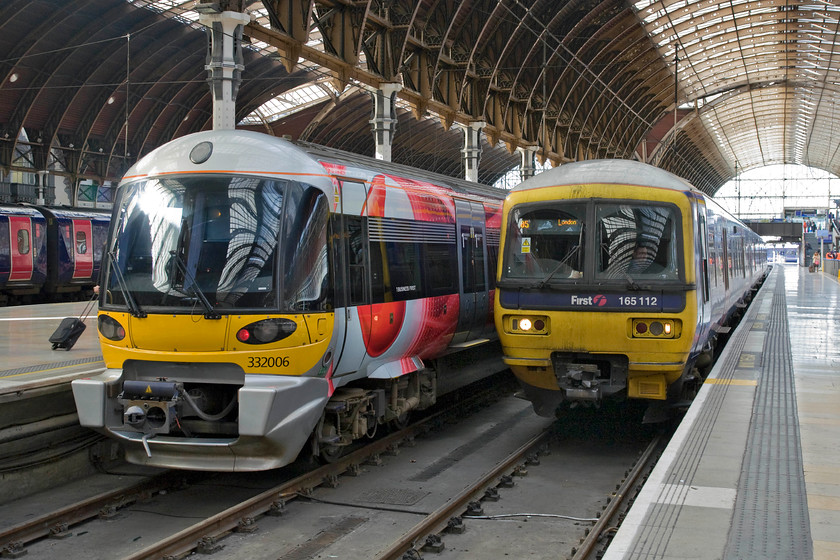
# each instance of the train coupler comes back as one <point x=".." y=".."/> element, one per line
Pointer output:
<point x="149" y="406"/>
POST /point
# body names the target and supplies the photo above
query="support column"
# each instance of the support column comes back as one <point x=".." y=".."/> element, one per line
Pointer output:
<point x="472" y="149"/>
<point x="225" y="63"/>
<point x="41" y="188"/>
<point x="528" y="165"/>
<point x="384" y="121"/>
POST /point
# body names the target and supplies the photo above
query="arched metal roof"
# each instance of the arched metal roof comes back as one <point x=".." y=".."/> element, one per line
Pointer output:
<point x="704" y="89"/>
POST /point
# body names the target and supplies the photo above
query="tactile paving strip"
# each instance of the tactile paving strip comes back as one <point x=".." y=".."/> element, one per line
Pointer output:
<point x="654" y="540"/>
<point x="44" y="367"/>
<point x="771" y="510"/>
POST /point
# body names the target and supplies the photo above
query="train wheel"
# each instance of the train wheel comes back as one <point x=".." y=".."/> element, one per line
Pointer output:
<point x="330" y="453"/>
<point x="401" y="422"/>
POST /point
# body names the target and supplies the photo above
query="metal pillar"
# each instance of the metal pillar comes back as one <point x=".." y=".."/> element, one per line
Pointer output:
<point x="384" y="119"/>
<point x="41" y="188"/>
<point x="528" y="166"/>
<point x="472" y="149"/>
<point x="224" y="63"/>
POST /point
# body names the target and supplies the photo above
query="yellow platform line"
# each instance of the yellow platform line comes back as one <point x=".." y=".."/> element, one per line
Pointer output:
<point x="745" y="382"/>
<point x="46" y="370"/>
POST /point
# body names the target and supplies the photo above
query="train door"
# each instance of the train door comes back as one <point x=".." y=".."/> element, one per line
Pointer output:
<point x="21" y="242"/>
<point x="82" y="249"/>
<point x="352" y="277"/>
<point x="474" y="294"/>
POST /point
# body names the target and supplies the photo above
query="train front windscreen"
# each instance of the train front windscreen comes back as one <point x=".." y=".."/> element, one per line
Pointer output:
<point x="593" y="241"/>
<point x="221" y="243"/>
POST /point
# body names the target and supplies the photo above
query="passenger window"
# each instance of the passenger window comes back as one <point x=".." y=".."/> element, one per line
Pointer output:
<point x="23" y="242"/>
<point x="81" y="243"/>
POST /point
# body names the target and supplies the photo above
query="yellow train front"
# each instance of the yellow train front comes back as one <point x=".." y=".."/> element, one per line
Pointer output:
<point x="614" y="278"/>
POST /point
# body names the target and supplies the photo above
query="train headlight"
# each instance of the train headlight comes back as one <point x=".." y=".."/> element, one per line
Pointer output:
<point x="266" y="331"/>
<point x="522" y="324"/>
<point x="656" y="328"/>
<point x="110" y="328"/>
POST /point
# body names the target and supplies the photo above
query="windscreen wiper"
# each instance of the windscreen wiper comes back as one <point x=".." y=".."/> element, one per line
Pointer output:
<point x="133" y="308"/>
<point x="544" y="282"/>
<point x="631" y="284"/>
<point x="210" y="312"/>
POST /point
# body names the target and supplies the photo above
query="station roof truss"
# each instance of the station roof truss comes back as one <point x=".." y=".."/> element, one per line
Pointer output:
<point x="704" y="89"/>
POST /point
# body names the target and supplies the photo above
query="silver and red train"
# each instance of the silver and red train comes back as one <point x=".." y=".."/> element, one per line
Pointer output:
<point x="263" y="298"/>
<point x="49" y="254"/>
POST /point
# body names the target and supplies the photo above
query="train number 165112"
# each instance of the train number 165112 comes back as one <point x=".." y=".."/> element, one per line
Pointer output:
<point x="638" y="301"/>
<point x="268" y="362"/>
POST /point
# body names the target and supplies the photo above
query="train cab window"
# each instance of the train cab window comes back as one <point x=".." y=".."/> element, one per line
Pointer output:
<point x="24" y="243"/>
<point x="546" y="244"/>
<point x="636" y="241"/>
<point x="306" y="285"/>
<point x="178" y="241"/>
<point x="81" y="243"/>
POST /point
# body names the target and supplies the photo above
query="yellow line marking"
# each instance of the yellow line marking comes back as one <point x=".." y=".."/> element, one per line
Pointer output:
<point x="745" y="382"/>
<point x="52" y="369"/>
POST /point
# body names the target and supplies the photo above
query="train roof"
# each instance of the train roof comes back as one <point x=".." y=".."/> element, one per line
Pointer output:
<point x="254" y="152"/>
<point x="57" y="211"/>
<point x="229" y="151"/>
<point x="18" y="210"/>
<point x="606" y="171"/>
<point x="377" y="165"/>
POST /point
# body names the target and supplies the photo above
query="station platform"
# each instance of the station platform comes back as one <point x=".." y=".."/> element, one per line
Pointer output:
<point x="753" y="471"/>
<point x="27" y="359"/>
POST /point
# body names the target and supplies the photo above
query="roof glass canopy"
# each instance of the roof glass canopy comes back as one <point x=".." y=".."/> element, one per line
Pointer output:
<point x="762" y="75"/>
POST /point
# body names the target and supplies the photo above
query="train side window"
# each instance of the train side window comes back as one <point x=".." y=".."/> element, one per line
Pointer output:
<point x="492" y="264"/>
<point x="81" y="243"/>
<point x="403" y="271"/>
<point x="379" y="290"/>
<point x="24" y="243"/>
<point x="439" y="260"/>
<point x="478" y="260"/>
<point x="704" y="257"/>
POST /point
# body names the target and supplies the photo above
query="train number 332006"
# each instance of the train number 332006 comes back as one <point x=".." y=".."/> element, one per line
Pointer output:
<point x="268" y="362"/>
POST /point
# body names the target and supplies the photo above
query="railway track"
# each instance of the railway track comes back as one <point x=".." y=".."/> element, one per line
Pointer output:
<point x="307" y="514"/>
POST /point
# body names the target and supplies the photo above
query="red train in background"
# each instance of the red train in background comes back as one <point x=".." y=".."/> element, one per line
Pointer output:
<point x="49" y="254"/>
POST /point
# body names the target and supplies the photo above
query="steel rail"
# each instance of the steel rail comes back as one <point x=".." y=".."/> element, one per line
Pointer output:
<point x="14" y="538"/>
<point x="204" y="534"/>
<point x="587" y="546"/>
<point x="435" y="522"/>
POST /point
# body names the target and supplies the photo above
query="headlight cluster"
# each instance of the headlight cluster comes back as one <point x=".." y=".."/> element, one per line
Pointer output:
<point x="110" y="328"/>
<point x="527" y="324"/>
<point x="266" y="331"/>
<point x="655" y="328"/>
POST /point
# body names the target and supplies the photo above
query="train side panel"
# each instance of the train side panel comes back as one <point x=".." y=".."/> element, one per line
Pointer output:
<point x="76" y="242"/>
<point x="23" y="252"/>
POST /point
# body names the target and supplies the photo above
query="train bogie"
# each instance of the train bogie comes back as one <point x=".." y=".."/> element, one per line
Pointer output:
<point x="263" y="299"/>
<point x="611" y="283"/>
